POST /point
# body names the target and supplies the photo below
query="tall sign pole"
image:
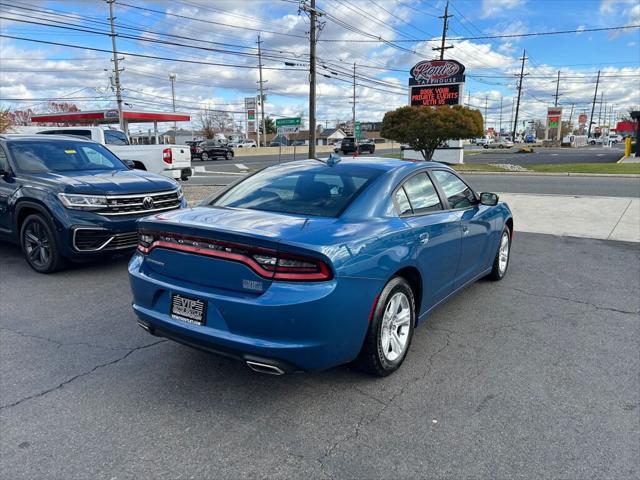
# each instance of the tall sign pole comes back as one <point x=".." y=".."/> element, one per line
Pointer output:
<point x="593" y="105"/>
<point x="261" y="82"/>
<point x="515" y="121"/>
<point x="353" y="106"/>
<point x="116" y="67"/>
<point x="555" y="103"/>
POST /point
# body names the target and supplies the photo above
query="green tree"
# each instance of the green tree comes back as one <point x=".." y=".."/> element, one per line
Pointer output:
<point x="425" y="128"/>
<point x="270" y="123"/>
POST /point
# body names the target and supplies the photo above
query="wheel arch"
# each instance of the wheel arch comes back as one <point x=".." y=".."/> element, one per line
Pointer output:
<point x="25" y="208"/>
<point x="509" y="224"/>
<point x="413" y="277"/>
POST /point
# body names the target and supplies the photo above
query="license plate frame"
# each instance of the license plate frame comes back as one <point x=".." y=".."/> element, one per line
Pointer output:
<point x="188" y="309"/>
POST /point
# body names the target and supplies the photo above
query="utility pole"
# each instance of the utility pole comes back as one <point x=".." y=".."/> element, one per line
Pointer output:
<point x="515" y="121"/>
<point x="555" y="104"/>
<point x="116" y="67"/>
<point x="172" y="78"/>
<point x="353" y="105"/>
<point x="593" y="105"/>
<point x="312" y="79"/>
<point x="600" y="110"/>
<point x="261" y="82"/>
<point x="500" y="127"/>
<point x="571" y="119"/>
<point x="486" y="125"/>
<point x="445" y="27"/>
<point x="469" y="99"/>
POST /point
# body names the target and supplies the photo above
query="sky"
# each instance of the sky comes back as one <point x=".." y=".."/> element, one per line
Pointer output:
<point x="216" y="41"/>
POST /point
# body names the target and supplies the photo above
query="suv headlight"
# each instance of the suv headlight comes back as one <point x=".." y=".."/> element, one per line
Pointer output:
<point x="83" y="202"/>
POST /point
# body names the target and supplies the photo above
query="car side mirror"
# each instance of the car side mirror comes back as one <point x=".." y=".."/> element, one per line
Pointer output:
<point x="488" y="198"/>
<point x="4" y="172"/>
<point x="130" y="164"/>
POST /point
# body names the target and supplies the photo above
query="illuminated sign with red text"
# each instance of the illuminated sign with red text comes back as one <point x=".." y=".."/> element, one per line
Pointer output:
<point x="435" y="95"/>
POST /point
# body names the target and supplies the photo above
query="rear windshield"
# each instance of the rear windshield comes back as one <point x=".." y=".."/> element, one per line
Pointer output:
<point x="43" y="156"/>
<point x="311" y="191"/>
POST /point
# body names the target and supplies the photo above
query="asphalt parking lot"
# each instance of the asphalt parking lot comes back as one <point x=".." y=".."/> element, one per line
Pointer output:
<point x="532" y="377"/>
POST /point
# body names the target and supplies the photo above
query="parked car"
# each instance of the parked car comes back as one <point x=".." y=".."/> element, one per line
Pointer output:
<point x="595" y="140"/>
<point x="194" y="148"/>
<point x="350" y="145"/>
<point x="337" y="146"/>
<point x="212" y="149"/>
<point x="404" y="146"/>
<point x="173" y="161"/>
<point x="499" y="144"/>
<point x="310" y="264"/>
<point x="298" y="143"/>
<point x="530" y="139"/>
<point x="246" y="144"/>
<point x="66" y="198"/>
<point x="276" y="144"/>
<point x="367" y="145"/>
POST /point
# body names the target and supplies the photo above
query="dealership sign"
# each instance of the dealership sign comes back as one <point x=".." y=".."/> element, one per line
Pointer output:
<point x="432" y="72"/>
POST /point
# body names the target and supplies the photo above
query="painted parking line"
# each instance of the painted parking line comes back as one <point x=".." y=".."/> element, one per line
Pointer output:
<point x="241" y="166"/>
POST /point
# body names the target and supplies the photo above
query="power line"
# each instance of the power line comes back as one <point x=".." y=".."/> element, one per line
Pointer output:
<point x="489" y="37"/>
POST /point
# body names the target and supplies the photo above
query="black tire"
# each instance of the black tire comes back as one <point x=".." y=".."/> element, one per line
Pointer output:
<point x="372" y="357"/>
<point x="500" y="146"/>
<point x="373" y="150"/>
<point x="498" y="273"/>
<point x="39" y="245"/>
<point x="204" y="157"/>
<point x="485" y="146"/>
<point x="228" y="155"/>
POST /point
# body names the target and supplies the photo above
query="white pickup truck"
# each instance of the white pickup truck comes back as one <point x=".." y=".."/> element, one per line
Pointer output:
<point x="173" y="161"/>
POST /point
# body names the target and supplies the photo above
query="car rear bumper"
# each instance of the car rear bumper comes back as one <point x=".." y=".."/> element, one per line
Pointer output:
<point x="298" y="326"/>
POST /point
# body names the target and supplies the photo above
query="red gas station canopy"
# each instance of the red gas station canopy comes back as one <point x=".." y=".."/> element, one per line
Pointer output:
<point x="109" y="117"/>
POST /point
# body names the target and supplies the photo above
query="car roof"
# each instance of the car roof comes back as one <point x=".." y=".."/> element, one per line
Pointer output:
<point x="38" y="137"/>
<point x="379" y="163"/>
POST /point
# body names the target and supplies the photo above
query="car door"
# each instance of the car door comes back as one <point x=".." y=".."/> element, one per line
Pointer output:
<point x="476" y="224"/>
<point x="436" y="234"/>
<point x="7" y="188"/>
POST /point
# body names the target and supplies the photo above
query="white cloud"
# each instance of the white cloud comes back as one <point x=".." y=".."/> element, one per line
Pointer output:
<point x="499" y="8"/>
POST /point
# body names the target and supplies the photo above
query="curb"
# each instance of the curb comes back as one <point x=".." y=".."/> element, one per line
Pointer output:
<point x="554" y="174"/>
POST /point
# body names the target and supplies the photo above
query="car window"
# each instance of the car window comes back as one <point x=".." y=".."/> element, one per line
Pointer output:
<point x="45" y="156"/>
<point x="314" y="191"/>
<point x="458" y="194"/>
<point x="403" y="202"/>
<point x="422" y="194"/>
<point x="4" y="164"/>
<point x="78" y="132"/>
<point x="115" y="137"/>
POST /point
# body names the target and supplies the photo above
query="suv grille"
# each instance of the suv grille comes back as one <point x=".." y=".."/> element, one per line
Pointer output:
<point x="143" y="203"/>
<point x="93" y="240"/>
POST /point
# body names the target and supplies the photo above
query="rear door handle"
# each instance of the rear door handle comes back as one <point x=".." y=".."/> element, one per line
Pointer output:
<point x="424" y="238"/>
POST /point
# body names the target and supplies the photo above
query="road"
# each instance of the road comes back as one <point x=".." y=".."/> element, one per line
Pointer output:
<point x="509" y="183"/>
<point x="595" y="154"/>
<point x="533" y="377"/>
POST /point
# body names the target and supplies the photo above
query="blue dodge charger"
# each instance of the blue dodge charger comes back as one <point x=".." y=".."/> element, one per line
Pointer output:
<point x="311" y="264"/>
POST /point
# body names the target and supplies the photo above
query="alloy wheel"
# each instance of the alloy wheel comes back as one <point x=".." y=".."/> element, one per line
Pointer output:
<point x="396" y="324"/>
<point x="37" y="244"/>
<point x="503" y="253"/>
<point x="205" y="157"/>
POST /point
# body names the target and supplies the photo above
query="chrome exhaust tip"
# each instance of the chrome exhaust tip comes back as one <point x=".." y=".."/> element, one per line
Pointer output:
<point x="144" y="326"/>
<point x="264" y="368"/>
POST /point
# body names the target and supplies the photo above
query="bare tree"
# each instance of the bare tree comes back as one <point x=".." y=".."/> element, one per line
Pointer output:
<point x="21" y="117"/>
<point x="6" y="121"/>
<point x="215" y="121"/>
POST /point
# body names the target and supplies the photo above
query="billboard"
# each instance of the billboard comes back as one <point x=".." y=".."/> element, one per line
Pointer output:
<point x="435" y="95"/>
<point x="432" y="72"/>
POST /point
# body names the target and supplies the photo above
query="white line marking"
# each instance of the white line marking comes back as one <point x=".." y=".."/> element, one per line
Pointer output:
<point x="241" y="166"/>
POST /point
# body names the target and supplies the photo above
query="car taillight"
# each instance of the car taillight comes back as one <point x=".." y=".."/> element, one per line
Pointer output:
<point x="198" y="150"/>
<point x="265" y="262"/>
<point x="167" y="156"/>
